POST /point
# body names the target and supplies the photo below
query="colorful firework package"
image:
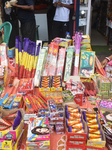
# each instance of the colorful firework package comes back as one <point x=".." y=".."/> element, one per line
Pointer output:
<point x="95" y="134"/>
<point x="75" y="127"/>
<point x="38" y="133"/>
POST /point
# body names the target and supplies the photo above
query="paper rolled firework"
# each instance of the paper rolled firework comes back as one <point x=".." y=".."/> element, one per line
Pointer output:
<point x="20" y="52"/>
<point x="25" y="44"/>
<point x="78" y="38"/>
<point x="31" y="60"/>
<point x="35" y="61"/>
<point x="16" y="55"/>
<point x="30" y="47"/>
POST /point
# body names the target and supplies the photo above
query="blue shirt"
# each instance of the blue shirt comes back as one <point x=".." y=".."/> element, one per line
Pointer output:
<point x="23" y="14"/>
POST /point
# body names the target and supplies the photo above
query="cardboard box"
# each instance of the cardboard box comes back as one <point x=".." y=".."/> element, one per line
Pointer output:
<point x="63" y="42"/>
<point x="40" y="145"/>
<point x="44" y="89"/>
<point x="53" y="88"/>
<point x="12" y="134"/>
<point x="107" y="107"/>
<point x="39" y="122"/>
<point x="75" y="148"/>
<point x="25" y="85"/>
<point x="93" y="148"/>
<point x="77" y="136"/>
<point x="10" y="144"/>
<point x="75" y="143"/>
<point x="98" y="144"/>
<point x="78" y="98"/>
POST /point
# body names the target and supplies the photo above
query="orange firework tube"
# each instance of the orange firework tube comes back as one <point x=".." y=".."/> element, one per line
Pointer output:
<point x="80" y="131"/>
<point x="31" y="59"/>
<point x="26" y="44"/>
<point x="89" y="115"/>
<point x="93" y="136"/>
<point x="35" y="61"/>
<point x="70" y="129"/>
<point x="77" y="115"/>
<point x="72" y="122"/>
<point x="77" y="126"/>
<point x="71" y="109"/>
<point x="92" y="130"/>
<point x="16" y="55"/>
<point x="94" y="126"/>
<point x="97" y="132"/>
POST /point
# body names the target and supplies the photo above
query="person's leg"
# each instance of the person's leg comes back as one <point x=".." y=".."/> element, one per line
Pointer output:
<point x="55" y="29"/>
<point x="28" y="30"/>
<point x="64" y="27"/>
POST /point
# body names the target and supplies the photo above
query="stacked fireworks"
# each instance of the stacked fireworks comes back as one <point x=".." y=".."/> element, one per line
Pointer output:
<point x="75" y="127"/>
<point x="26" y="60"/>
<point x="94" y="130"/>
<point x="38" y="136"/>
<point x="53" y="83"/>
<point x="56" y="117"/>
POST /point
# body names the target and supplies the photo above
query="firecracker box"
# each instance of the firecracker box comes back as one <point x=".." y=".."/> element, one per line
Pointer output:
<point x="11" y="144"/>
<point x="105" y="105"/>
<point x="17" y="101"/>
<point x="63" y="42"/>
<point x="104" y="94"/>
<point x="11" y="52"/>
<point x="53" y="59"/>
<point x="85" y="39"/>
<point x="67" y="96"/>
<point x="92" y="142"/>
<point x="96" y="143"/>
<point x="40" y="145"/>
<point x="12" y="134"/>
<point x="56" y="83"/>
<point x="69" y="61"/>
<point x="38" y="123"/>
<point x="75" y="143"/>
<point x="110" y="79"/>
<point x="75" y="148"/>
<point x="103" y="83"/>
<point x="110" y="94"/>
<point x="78" y="98"/>
<point x="77" y="136"/>
<point x="45" y="84"/>
<point x="40" y="66"/>
<point x="26" y="85"/>
<point x="93" y="148"/>
<point x="86" y="45"/>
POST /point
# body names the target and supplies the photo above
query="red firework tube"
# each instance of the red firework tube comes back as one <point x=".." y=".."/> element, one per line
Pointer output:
<point x="40" y="102"/>
<point x="4" y="121"/>
<point x="43" y="97"/>
<point x="32" y="102"/>
<point x="24" y="106"/>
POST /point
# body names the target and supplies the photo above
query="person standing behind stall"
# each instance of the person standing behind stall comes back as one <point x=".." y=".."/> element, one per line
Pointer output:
<point x="25" y="12"/>
<point x="10" y="15"/>
<point x="61" y="17"/>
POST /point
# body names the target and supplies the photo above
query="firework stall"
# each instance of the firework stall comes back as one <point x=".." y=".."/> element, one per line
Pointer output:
<point x="55" y="96"/>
